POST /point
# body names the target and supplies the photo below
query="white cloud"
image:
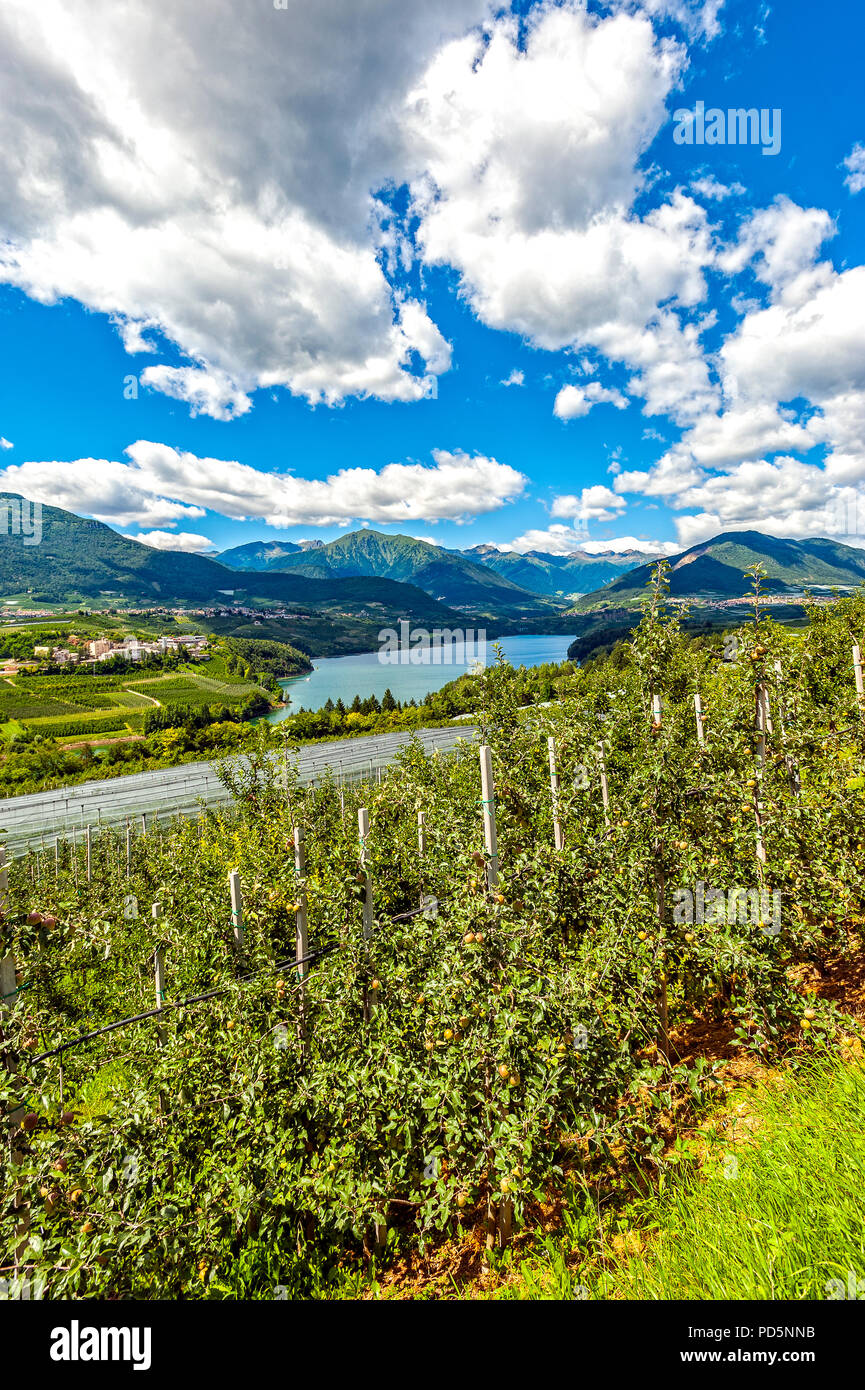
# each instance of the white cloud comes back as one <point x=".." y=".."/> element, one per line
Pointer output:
<point x="574" y="401"/>
<point x="529" y="146"/>
<point x="697" y="16"/>
<point x="596" y="503"/>
<point x="516" y="378"/>
<point x="233" y="216"/>
<point x="161" y="485"/>
<point x="793" y="378"/>
<point x="187" y="541"/>
<point x="556" y="540"/>
<point x="6" y="443"/>
<point x="855" y="163"/>
<point x="624" y="543"/>
<point x="710" y="187"/>
<point x="781" y="241"/>
<point x="567" y="540"/>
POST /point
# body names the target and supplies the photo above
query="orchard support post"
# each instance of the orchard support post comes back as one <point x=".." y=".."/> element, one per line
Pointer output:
<point x="661" y="901"/>
<point x="421" y="833"/>
<point x="698" y="716"/>
<point x="558" y="833"/>
<point x="87" y="845"/>
<point x="363" y="835"/>
<point x="792" y="769"/>
<point x="128" y="849"/>
<point x="760" y="726"/>
<point x="159" y="972"/>
<point x="488" y="799"/>
<point x="857" y="673"/>
<point x="8" y="982"/>
<point x="301" y="950"/>
<point x="605" y="788"/>
<point x="236" y="906"/>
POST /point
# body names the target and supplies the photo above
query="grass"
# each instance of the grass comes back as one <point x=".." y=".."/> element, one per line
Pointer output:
<point x="775" y="1213"/>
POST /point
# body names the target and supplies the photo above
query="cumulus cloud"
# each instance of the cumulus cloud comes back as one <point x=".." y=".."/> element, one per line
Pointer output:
<point x="793" y="379"/>
<point x="234" y="217"/>
<point x="187" y="541"/>
<point x="574" y="401"/>
<point x="160" y="485"/>
<point x="516" y="378"/>
<point x="621" y="544"/>
<point x="530" y="146"/>
<point x="710" y="187"/>
<point x="596" y="503"/>
<point x="556" y="540"/>
<point x="6" y="443"/>
<point x="855" y="165"/>
<point x="568" y="540"/>
<point x="781" y="242"/>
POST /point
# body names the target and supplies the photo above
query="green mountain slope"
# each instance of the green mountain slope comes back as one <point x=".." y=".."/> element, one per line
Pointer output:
<point x="714" y="569"/>
<point x="83" y="560"/>
<point x="447" y="576"/>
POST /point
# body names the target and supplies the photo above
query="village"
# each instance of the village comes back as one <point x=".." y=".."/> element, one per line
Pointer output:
<point x="85" y="652"/>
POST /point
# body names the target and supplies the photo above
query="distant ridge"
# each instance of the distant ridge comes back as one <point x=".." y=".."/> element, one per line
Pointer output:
<point x="715" y="569"/>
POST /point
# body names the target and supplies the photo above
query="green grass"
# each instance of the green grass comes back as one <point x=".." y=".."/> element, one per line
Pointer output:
<point x="774" y="1215"/>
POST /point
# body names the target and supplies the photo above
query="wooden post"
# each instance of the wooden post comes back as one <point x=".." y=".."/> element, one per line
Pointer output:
<point x="421" y="833"/>
<point x="301" y="949"/>
<point x="488" y="800"/>
<point x="236" y="905"/>
<point x="558" y="833"/>
<point x="87" y="843"/>
<point x="698" y="715"/>
<point x="159" y="972"/>
<point x="56" y="857"/>
<point x="605" y="788"/>
<point x="857" y="672"/>
<point x="144" y="823"/>
<point x="363" y="832"/>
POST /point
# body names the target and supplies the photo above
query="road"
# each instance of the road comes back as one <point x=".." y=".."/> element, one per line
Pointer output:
<point x="43" y="816"/>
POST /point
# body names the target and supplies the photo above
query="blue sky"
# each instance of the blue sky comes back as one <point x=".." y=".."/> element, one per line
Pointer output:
<point x="279" y="295"/>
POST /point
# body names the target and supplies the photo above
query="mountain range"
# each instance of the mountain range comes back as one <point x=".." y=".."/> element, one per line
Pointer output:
<point x="714" y="569"/>
<point x="78" y="559"/>
<point x="477" y="578"/>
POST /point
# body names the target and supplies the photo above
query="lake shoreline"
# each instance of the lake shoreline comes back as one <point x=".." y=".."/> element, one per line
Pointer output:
<point x="366" y="675"/>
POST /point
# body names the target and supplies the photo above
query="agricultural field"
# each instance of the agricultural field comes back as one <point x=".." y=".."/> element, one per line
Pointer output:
<point x="50" y="703"/>
<point x="455" y="999"/>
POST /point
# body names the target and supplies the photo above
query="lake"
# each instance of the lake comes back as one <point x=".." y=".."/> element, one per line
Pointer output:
<point x="343" y="677"/>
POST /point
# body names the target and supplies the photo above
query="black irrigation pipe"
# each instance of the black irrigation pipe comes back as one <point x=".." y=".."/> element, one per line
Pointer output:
<point x="293" y="962"/>
<point x="182" y="1003"/>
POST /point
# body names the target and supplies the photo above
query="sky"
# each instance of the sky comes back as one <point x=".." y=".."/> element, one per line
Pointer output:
<point x="461" y="271"/>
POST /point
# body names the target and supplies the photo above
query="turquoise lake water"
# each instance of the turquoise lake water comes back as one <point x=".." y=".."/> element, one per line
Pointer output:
<point x="343" y="677"/>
